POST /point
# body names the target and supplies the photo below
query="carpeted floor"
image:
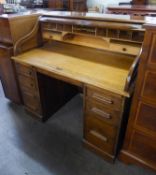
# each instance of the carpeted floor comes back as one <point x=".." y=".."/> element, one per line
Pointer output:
<point x="28" y="147"/>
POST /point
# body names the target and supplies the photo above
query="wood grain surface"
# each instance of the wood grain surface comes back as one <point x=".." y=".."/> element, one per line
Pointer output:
<point x="102" y="69"/>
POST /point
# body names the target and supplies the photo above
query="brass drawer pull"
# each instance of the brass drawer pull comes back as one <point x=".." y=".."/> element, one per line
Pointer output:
<point x="101" y="113"/>
<point x="103" y="99"/>
<point x="96" y="134"/>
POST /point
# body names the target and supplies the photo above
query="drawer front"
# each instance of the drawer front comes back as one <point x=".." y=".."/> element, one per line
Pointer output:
<point x="27" y="83"/>
<point x="149" y="87"/>
<point x="144" y="147"/>
<point x="146" y="117"/>
<point x="24" y="70"/>
<point x="105" y="114"/>
<point x="32" y="102"/>
<point x="105" y="97"/>
<point x="100" y="134"/>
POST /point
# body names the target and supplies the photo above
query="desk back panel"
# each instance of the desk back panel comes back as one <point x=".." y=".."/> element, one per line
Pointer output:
<point x="54" y="94"/>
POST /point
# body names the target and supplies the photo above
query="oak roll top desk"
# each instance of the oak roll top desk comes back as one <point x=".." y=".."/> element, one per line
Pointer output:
<point x="96" y="55"/>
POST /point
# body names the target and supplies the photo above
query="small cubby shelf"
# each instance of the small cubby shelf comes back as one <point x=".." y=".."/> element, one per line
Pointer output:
<point x="131" y="35"/>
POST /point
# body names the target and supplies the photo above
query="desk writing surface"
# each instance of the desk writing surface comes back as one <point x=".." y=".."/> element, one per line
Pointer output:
<point x="104" y="70"/>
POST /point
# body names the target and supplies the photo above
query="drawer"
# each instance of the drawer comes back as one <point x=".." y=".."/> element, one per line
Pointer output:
<point x="143" y="147"/>
<point x="146" y="117"/>
<point x="149" y="87"/>
<point x="27" y="83"/>
<point x="107" y="98"/>
<point x="32" y="102"/>
<point x="24" y="70"/>
<point x="100" y="134"/>
<point x="105" y="114"/>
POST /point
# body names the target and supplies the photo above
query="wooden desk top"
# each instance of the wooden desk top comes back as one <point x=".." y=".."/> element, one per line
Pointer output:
<point x="95" y="16"/>
<point x="99" y="17"/>
<point x="81" y="15"/>
<point x="94" y="67"/>
<point x="76" y="15"/>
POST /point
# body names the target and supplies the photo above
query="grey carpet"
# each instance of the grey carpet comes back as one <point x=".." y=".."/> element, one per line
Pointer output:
<point x="28" y="147"/>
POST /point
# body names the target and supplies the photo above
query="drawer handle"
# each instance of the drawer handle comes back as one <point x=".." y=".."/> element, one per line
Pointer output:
<point x="103" y="99"/>
<point x="101" y="113"/>
<point x="96" y="134"/>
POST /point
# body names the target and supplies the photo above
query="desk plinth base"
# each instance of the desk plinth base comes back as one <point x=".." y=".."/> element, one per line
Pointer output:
<point x="98" y="151"/>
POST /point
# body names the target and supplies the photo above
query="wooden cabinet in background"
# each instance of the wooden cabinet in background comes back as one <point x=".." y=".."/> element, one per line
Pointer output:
<point x="140" y="142"/>
<point x="135" y="10"/>
<point x="144" y="2"/>
<point x="11" y="30"/>
<point x="7" y="74"/>
<point x="69" y="5"/>
<point x="139" y="2"/>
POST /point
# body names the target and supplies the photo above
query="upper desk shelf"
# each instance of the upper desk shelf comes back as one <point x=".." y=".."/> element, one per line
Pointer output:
<point x="117" y="36"/>
<point x="116" y="31"/>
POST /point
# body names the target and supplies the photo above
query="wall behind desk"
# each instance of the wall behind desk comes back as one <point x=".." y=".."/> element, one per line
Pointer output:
<point x="105" y="3"/>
